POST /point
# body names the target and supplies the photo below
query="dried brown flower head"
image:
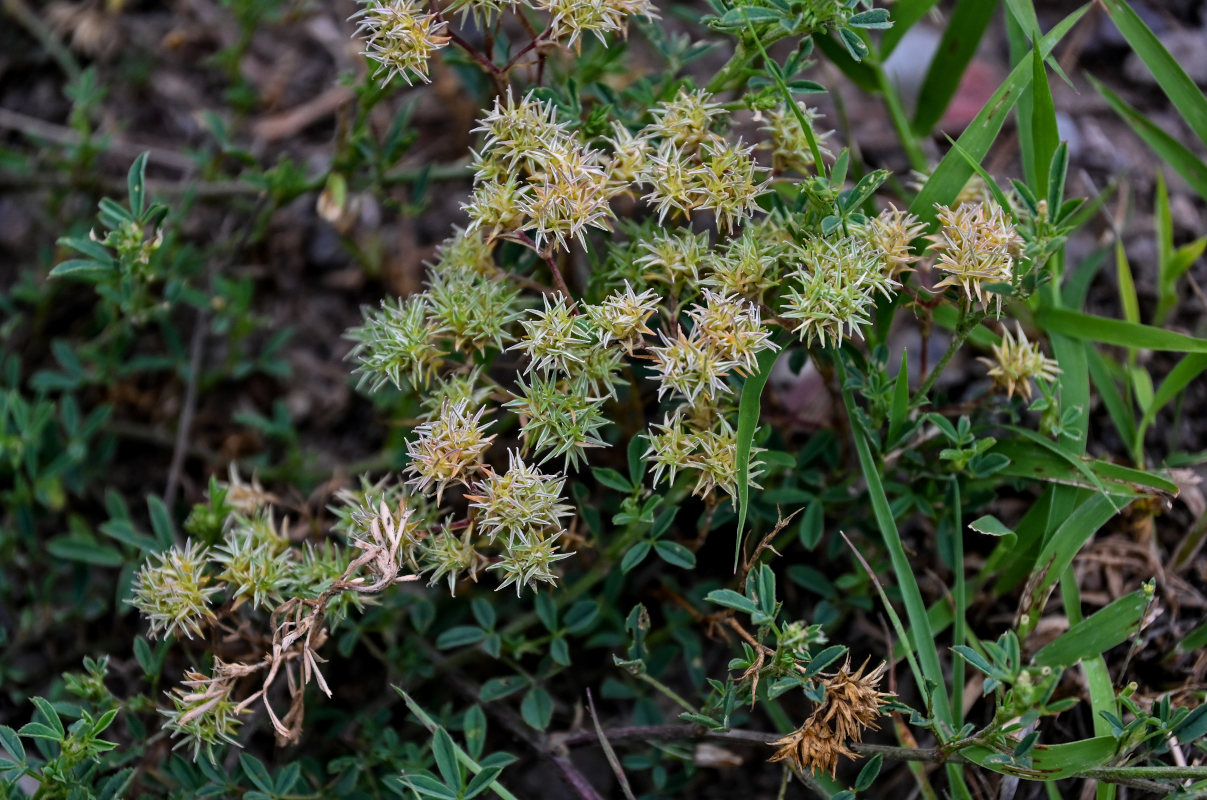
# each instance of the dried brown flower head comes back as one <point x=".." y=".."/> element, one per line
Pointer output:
<point x="811" y="747"/>
<point x="852" y="704"/>
<point x="853" y="700"/>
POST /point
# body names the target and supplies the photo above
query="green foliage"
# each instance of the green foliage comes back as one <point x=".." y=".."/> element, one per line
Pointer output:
<point x="584" y="403"/>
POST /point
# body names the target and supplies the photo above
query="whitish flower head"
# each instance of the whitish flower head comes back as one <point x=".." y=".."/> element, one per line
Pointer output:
<point x="570" y="19"/>
<point x="356" y="508"/>
<point x="559" y="418"/>
<point x="392" y="537"/>
<point x="691" y="366"/>
<point x="976" y="245"/>
<point x="529" y="562"/>
<point x="715" y="457"/>
<point x="554" y="338"/>
<point x="622" y="315"/>
<point x="447" y="555"/>
<point x="671" y="447"/>
<point x="674" y="256"/>
<point x="397" y="343"/>
<point x="687" y="120"/>
<point x="668" y="173"/>
<point x="834" y="290"/>
<point x="448" y="449"/>
<point x="172" y="591"/>
<point x="256" y="562"/>
<point x="400" y="36"/>
<point x="892" y="232"/>
<point x="1017" y="361"/>
<point x="497" y="205"/>
<point x="728" y="182"/>
<point x="477" y="311"/>
<point x="243" y="496"/>
<point x="629" y="154"/>
<point x="749" y="266"/>
<point x="521" y="504"/>
<point x="204" y="714"/>
<point x="519" y="133"/>
<point x="733" y="326"/>
<point x="569" y="194"/>
<point x="599" y="374"/>
<point x="789" y="143"/>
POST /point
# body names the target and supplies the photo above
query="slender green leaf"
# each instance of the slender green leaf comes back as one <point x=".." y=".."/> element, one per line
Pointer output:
<point x="1184" y="95"/>
<point x="1127" y="286"/>
<point x="1043" y="137"/>
<point x="1066" y="541"/>
<point x="11" y="742"/>
<point x="1095" y="634"/>
<point x="953" y="172"/>
<point x="961" y="37"/>
<point x="474" y="767"/>
<point x="446" y="757"/>
<point x="731" y="599"/>
<point x="749" y="408"/>
<point x="460" y="636"/>
<point x="675" y="554"/>
<point x="136" y="181"/>
<point x="256" y="772"/>
<point x="1189" y="166"/>
<point x="915" y="608"/>
<point x="1120" y="333"/>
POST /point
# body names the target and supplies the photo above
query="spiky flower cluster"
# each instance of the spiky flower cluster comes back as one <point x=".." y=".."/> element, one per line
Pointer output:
<point x="448" y="449"/>
<point x="522" y="509"/>
<point x="468" y="307"/>
<point x="256" y="561"/>
<point x="751" y="264"/>
<point x="204" y="712"/>
<point x="174" y="594"/>
<point x="535" y="173"/>
<point x="400" y="36"/>
<point x="397" y="344"/>
<point x="570" y="19"/>
<point x="976" y="246"/>
<point x="835" y="288"/>
<point x="622" y="317"/>
<point x="1016" y="362"/>
<point x="893" y="232"/>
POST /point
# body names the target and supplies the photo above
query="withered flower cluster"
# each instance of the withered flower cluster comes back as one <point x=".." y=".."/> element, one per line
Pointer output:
<point x="851" y="706"/>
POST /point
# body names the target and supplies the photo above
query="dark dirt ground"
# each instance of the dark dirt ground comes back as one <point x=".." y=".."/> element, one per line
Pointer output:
<point x="155" y="62"/>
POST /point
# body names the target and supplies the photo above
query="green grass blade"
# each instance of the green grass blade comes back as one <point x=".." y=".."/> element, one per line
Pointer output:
<point x="1120" y="333"/>
<point x="1182" y="92"/>
<point x="1066" y="541"/>
<point x="1117" y="408"/>
<point x="1103" y="630"/>
<point x="1172" y="152"/>
<point x="1190" y="367"/>
<point x="959" y="43"/>
<point x="749" y="408"/>
<point x="915" y="608"/>
<point x="953" y="171"/>
<point x="1044" y="136"/>
<point x="1127" y="286"/>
